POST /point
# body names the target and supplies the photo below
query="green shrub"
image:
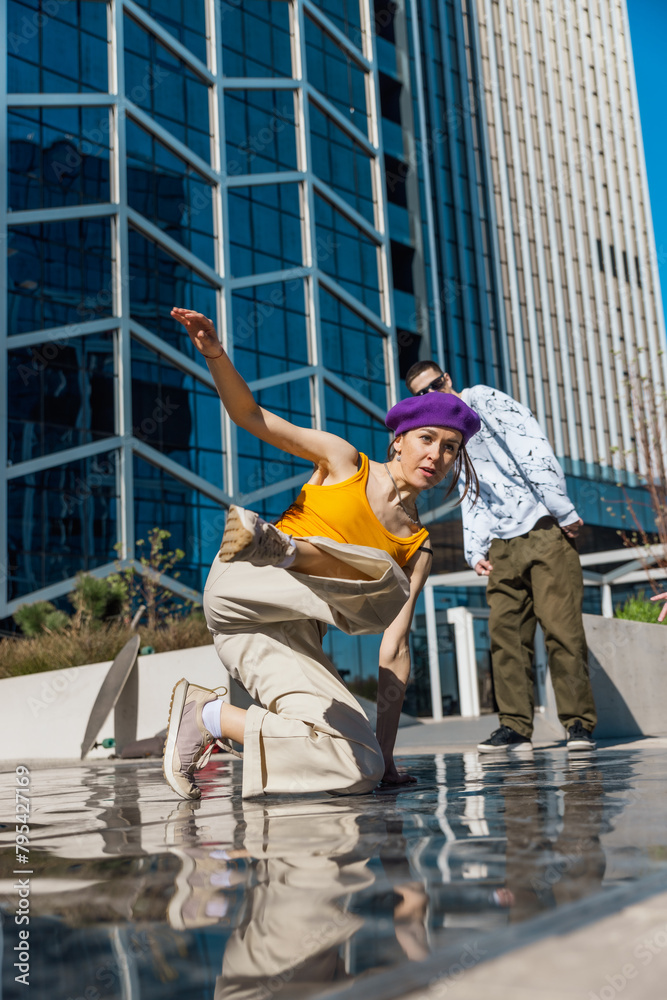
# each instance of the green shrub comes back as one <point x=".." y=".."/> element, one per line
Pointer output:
<point x="103" y="610"/>
<point x="73" y="648"/>
<point x="145" y="587"/>
<point x="39" y="618"/>
<point x="639" y="609"/>
<point x="98" y="600"/>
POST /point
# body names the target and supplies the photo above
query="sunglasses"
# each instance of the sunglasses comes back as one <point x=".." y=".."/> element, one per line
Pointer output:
<point x="434" y="386"/>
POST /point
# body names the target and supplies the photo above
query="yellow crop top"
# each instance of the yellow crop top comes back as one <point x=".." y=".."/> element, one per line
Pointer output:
<point x="342" y="512"/>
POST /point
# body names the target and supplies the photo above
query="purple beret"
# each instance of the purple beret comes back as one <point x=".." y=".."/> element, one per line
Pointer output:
<point x="433" y="409"/>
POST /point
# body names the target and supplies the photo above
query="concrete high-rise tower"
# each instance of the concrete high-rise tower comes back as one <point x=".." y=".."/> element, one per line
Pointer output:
<point x="535" y="233"/>
<point x="582" y="301"/>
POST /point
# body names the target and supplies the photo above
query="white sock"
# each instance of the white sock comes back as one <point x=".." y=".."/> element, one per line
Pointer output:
<point x="211" y="717"/>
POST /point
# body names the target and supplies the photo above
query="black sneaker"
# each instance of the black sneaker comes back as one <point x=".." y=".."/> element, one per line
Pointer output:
<point x="504" y="739"/>
<point x="579" y="738"/>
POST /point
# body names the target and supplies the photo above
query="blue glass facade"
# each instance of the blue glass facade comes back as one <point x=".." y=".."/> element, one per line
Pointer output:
<point x="465" y="322"/>
<point x="313" y="177"/>
<point x="223" y="156"/>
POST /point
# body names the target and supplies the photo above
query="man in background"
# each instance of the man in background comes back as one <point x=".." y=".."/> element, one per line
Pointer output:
<point x="520" y="533"/>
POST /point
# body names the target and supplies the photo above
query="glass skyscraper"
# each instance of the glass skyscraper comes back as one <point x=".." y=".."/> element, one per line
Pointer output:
<point x="345" y="187"/>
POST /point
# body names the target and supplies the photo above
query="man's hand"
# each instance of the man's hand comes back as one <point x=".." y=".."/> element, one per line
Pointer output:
<point x="663" y="613"/>
<point x="483" y="567"/>
<point x="201" y="331"/>
<point x="572" y="530"/>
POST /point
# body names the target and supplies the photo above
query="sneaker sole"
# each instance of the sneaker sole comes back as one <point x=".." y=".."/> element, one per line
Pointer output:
<point x="178" y="696"/>
<point x="236" y="537"/>
<point x="183" y="890"/>
<point x="512" y="748"/>
<point x="581" y="745"/>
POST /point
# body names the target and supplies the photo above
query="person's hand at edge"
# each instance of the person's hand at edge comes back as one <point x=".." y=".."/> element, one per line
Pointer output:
<point x="663" y="613"/>
<point x="572" y="530"/>
<point x="483" y="567"/>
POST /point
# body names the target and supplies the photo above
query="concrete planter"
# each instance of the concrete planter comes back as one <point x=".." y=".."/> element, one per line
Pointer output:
<point x="628" y="667"/>
<point x="45" y="714"/>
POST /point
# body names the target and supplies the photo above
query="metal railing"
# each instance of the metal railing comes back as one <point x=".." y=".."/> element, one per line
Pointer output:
<point x="633" y="565"/>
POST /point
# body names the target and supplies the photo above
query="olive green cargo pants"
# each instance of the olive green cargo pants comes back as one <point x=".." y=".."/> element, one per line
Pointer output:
<point x="537" y="577"/>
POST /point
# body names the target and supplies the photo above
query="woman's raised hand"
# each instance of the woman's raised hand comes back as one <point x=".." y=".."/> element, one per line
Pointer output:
<point x="201" y="331"/>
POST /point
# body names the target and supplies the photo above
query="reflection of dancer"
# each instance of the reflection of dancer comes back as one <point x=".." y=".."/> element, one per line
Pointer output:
<point x="296" y="914"/>
<point x="354" y="557"/>
<point x="293" y="905"/>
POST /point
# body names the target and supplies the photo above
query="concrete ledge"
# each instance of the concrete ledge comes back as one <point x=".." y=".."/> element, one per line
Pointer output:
<point x="47" y="712"/>
<point x="598" y="962"/>
<point x="627" y="663"/>
<point x="45" y="715"/>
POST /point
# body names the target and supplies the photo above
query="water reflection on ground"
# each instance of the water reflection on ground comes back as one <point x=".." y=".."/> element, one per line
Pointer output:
<point x="135" y="895"/>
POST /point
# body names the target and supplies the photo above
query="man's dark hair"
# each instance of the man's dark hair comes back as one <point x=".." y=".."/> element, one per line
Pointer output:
<point x="418" y="368"/>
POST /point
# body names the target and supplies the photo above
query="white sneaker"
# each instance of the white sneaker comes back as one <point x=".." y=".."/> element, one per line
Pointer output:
<point x="249" y="538"/>
<point x="189" y="744"/>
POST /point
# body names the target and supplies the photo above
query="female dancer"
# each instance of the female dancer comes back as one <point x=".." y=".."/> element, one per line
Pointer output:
<point x="349" y="552"/>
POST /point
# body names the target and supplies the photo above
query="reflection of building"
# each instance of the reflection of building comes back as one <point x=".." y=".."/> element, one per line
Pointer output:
<point x="326" y="179"/>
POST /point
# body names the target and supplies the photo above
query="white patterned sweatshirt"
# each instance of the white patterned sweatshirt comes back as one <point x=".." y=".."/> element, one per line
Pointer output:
<point x="520" y="478"/>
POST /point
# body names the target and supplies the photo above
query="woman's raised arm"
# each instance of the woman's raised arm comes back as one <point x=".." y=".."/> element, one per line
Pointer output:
<point x="317" y="446"/>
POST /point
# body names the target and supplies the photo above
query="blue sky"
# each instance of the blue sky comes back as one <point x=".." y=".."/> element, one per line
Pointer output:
<point x="648" y="28"/>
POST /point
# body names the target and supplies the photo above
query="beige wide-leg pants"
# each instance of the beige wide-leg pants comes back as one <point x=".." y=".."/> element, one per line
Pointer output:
<point x="296" y="913"/>
<point x="307" y="733"/>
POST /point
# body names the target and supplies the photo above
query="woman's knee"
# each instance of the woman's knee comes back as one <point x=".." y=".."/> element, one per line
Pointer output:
<point x="364" y="771"/>
<point x="374" y="772"/>
<point x="213" y="608"/>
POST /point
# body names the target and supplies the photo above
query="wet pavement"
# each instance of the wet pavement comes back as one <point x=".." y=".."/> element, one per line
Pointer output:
<point x="136" y="896"/>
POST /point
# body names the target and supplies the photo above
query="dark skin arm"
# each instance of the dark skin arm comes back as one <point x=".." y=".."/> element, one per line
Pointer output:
<point x="394" y="671"/>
